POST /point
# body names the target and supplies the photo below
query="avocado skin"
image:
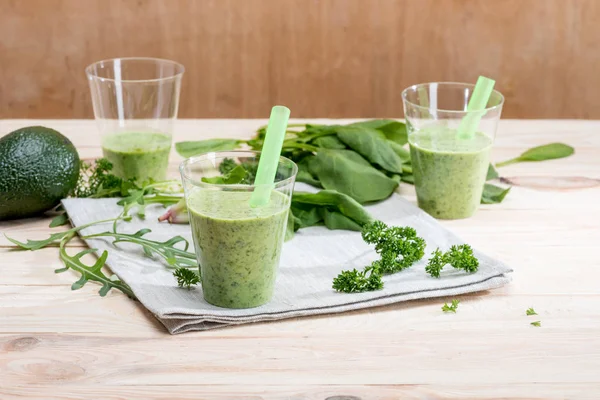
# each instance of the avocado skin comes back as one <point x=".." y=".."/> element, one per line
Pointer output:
<point x="38" y="167"/>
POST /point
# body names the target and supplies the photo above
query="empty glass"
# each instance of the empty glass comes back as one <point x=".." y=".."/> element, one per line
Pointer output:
<point x="135" y="103"/>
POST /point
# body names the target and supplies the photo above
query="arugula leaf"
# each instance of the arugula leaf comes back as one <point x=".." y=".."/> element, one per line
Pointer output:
<point x="451" y="307"/>
<point x="347" y="172"/>
<point x="59" y="220"/>
<point x="541" y="153"/>
<point x="174" y="256"/>
<point x="371" y="144"/>
<point x="54" y="238"/>
<point x="493" y="194"/>
<point x="186" y="277"/>
<point x="90" y="273"/>
<point x="531" y="311"/>
<point x="193" y="148"/>
<point x="536" y="323"/>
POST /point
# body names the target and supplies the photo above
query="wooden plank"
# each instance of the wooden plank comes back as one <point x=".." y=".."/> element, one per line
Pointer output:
<point x="548" y="391"/>
<point x="337" y="57"/>
<point x="413" y="350"/>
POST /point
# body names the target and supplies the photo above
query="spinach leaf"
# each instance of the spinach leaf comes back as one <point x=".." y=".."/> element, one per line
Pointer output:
<point x="305" y="215"/>
<point x="393" y="130"/>
<point x="541" y="153"/>
<point x="333" y="200"/>
<point x="337" y="220"/>
<point x="402" y="152"/>
<point x="493" y="194"/>
<point x="304" y="172"/>
<point x="188" y="149"/>
<point x="408" y="178"/>
<point x="492" y="173"/>
<point x="329" y="142"/>
<point x="371" y="144"/>
<point x="347" y="172"/>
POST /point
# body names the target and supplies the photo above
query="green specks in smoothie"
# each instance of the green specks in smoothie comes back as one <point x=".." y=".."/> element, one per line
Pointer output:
<point x="139" y="156"/>
<point x="238" y="246"/>
<point x="449" y="172"/>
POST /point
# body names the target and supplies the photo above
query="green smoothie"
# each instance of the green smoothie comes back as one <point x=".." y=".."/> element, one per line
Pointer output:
<point x="449" y="172"/>
<point x="238" y="247"/>
<point x="138" y="156"/>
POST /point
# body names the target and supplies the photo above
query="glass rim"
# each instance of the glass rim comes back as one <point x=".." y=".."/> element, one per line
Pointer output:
<point x="91" y="75"/>
<point x="464" y="85"/>
<point x="233" y="153"/>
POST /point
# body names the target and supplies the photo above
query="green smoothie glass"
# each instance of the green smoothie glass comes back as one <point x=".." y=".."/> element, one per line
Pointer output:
<point x="135" y="103"/>
<point x="449" y="170"/>
<point x="237" y="246"/>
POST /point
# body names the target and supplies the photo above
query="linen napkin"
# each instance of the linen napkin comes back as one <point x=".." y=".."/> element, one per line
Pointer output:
<point x="309" y="262"/>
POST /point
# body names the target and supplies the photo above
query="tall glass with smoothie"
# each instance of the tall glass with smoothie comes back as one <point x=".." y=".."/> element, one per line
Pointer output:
<point x="238" y="245"/>
<point x="449" y="166"/>
<point x="135" y="103"/>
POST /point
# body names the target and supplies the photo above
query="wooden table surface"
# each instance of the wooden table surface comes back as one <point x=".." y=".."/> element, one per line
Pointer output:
<point x="56" y="344"/>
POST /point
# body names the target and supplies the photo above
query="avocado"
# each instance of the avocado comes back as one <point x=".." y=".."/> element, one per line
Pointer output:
<point x="38" y="167"/>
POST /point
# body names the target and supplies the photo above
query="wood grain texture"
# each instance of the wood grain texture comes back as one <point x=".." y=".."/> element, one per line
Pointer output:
<point x="60" y="344"/>
<point x="339" y="58"/>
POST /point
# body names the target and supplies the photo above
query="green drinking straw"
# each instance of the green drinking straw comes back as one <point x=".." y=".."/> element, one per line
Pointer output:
<point x="269" y="156"/>
<point x="479" y="99"/>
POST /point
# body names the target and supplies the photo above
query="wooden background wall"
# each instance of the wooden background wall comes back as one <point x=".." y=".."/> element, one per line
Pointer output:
<point x="322" y="58"/>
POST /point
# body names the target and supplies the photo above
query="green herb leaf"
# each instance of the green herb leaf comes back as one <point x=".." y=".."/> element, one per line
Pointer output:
<point x="371" y="144"/>
<point x="90" y="273"/>
<point x="436" y="263"/>
<point x="393" y="130"/>
<point x="329" y="142"/>
<point x="451" y="307"/>
<point x="493" y="194"/>
<point x="402" y="153"/>
<point x="462" y="257"/>
<point x="531" y="311"/>
<point x="542" y="153"/>
<point x="355" y="281"/>
<point x="234" y="176"/>
<point x="186" y="278"/>
<point x="492" y="173"/>
<point x="335" y="201"/>
<point x="174" y="256"/>
<point x="59" y="220"/>
<point x="337" y="220"/>
<point x="392" y="243"/>
<point x="347" y="172"/>
<point x="193" y="148"/>
<point x="304" y="174"/>
<point x="537" y="323"/>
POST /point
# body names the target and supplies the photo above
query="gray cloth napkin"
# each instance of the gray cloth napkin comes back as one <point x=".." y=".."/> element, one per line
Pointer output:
<point x="308" y="265"/>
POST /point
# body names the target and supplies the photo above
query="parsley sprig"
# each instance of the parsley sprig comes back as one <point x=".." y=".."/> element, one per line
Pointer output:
<point x="399" y="248"/>
<point x="459" y="257"/>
